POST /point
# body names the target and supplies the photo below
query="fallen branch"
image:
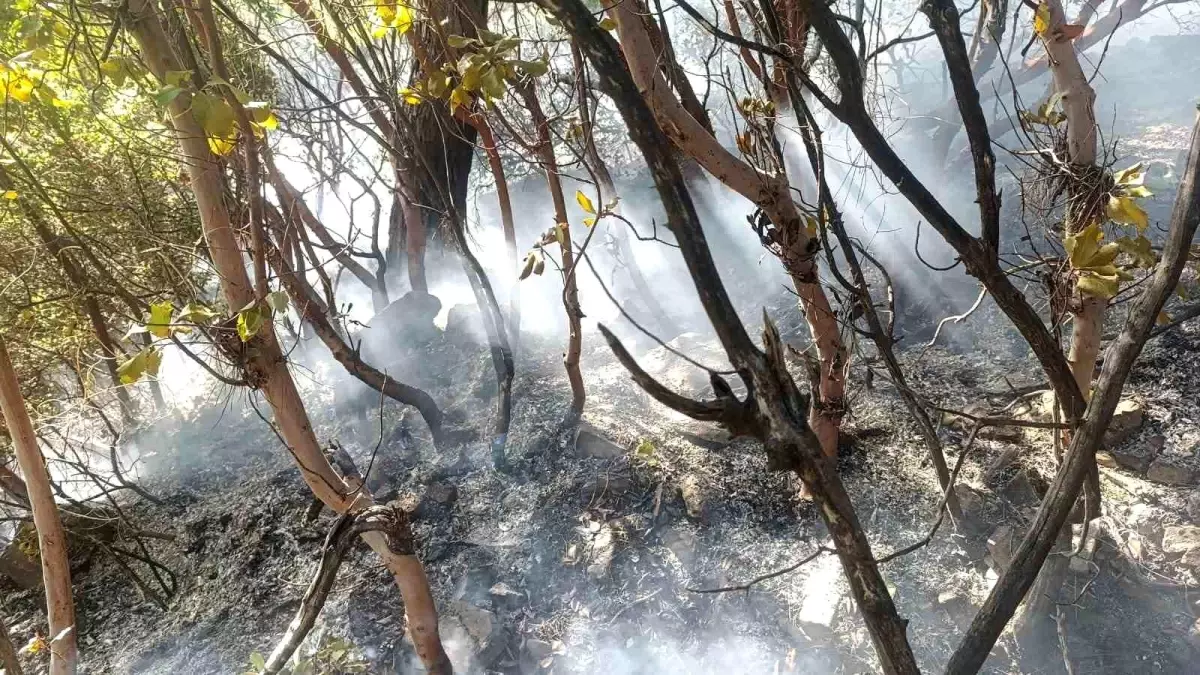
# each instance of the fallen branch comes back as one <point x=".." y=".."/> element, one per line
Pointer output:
<point x="391" y="521"/>
<point x="770" y="575"/>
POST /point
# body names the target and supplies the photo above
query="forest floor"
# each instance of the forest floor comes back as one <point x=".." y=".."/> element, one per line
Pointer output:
<point x="583" y="559"/>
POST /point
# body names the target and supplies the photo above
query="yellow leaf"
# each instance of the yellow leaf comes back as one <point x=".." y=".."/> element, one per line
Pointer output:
<point x="1134" y="175"/>
<point x="459" y="97"/>
<point x="584" y="202"/>
<point x="607" y="23"/>
<point x="379" y="32"/>
<point x="159" y="324"/>
<point x="11" y="195"/>
<point x="1098" y="286"/>
<point x="1041" y="18"/>
<point x="1163" y="319"/>
<point x="1125" y="210"/>
<point x="1083" y="245"/>
<point x="19" y="87"/>
<point x="403" y="20"/>
<point x="386" y="11"/>
<point x="589" y="221"/>
<point x="410" y="97"/>
<point x="220" y="146"/>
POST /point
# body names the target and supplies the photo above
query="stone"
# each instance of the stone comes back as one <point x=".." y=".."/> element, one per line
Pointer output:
<point x="1000" y="545"/>
<point x="1106" y="460"/>
<point x="605" y="487"/>
<point x="602" y="549"/>
<point x="1134" y="456"/>
<point x="442" y="493"/>
<point x="1180" y="538"/>
<point x="1171" y="471"/>
<point x="478" y="622"/>
<point x="694" y="497"/>
<point x="1020" y="490"/>
<point x="822" y="595"/>
<point x="682" y="543"/>
<point x="589" y="442"/>
<point x="1127" y="419"/>
<point x="1147" y="521"/>
<point x="407" y="320"/>
<point x="464" y="324"/>
<point x="538" y="649"/>
<point x="1193" y="506"/>
<point x="18" y="567"/>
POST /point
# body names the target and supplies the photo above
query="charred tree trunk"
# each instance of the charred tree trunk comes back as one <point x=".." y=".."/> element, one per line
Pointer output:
<point x="775" y="410"/>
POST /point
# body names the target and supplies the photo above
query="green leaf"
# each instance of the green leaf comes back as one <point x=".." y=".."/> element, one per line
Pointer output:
<point x="560" y="234"/>
<point x="114" y="68"/>
<point x="159" y="324"/>
<point x="178" y="78"/>
<point x="493" y="85"/>
<point x="145" y="362"/>
<point x="214" y="115"/>
<point x="534" y="68"/>
<point x="195" y="313"/>
<point x="584" y="202"/>
<point x="458" y="41"/>
<point x="645" y="448"/>
<point x="527" y="267"/>
<point x="250" y="320"/>
<point x="277" y="301"/>
<point x="258" y="662"/>
<point x="166" y="94"/>
<point x="607" y="23"/>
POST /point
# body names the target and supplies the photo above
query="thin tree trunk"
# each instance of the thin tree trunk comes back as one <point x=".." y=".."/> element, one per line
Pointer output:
<point x="545" y="156"/>
<point x="8" y="655"/>
<point x="770" y="193"/>
<point x="496" y="164"/>
<point x="52" y="540"/>
<point x="267" y="367"/>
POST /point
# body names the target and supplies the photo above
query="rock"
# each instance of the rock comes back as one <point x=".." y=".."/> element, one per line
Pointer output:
<point x="603" y="545"/>
<point x="589" y="442"/>
<point x="682" y="543"/>
<point x="17" y="566"/>
<point x="479" y="623"/>
<point x="708" y="437"/>
<point x="1180" y="538"/>
<point x="407" y="320"/>
<point x="538" y="649"/>
<point x="1193" y="506"/>
<point x="464" y="324"/>
<point x="694" y="497"/>
<point x="1020" y="490"/>
<point x="442" y="493"/>
<point x="1134" y="456"/>
<point x="1193" y="636"/>
<point x="1106" y="460"/>
<point x="1171" y="471"/>
<point x="1127" y="419"/>
<point x="502" y="591"/>
<point x="822" y="595"/>
<point x="1147" y="521"/>
<point x="1000" y="545"/>
<point x="608" y="486"/>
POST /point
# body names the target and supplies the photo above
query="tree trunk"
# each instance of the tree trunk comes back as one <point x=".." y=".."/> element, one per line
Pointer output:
<point x="770" y="193"/>
<point x="52" y="540"/>
<point x="267" y="366"/>
<point x="545" y="156"/>
<point x="8" y="655"/>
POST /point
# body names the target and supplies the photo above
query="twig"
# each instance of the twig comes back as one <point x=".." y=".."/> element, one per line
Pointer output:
<point x="941" y="509"/>
<point x="770" y="575"/>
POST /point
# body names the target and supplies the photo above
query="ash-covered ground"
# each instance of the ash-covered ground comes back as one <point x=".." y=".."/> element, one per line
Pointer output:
<point x="585" y="556"/>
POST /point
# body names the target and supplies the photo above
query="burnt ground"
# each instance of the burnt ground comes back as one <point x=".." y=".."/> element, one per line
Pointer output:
<point x="583" y="564"/>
